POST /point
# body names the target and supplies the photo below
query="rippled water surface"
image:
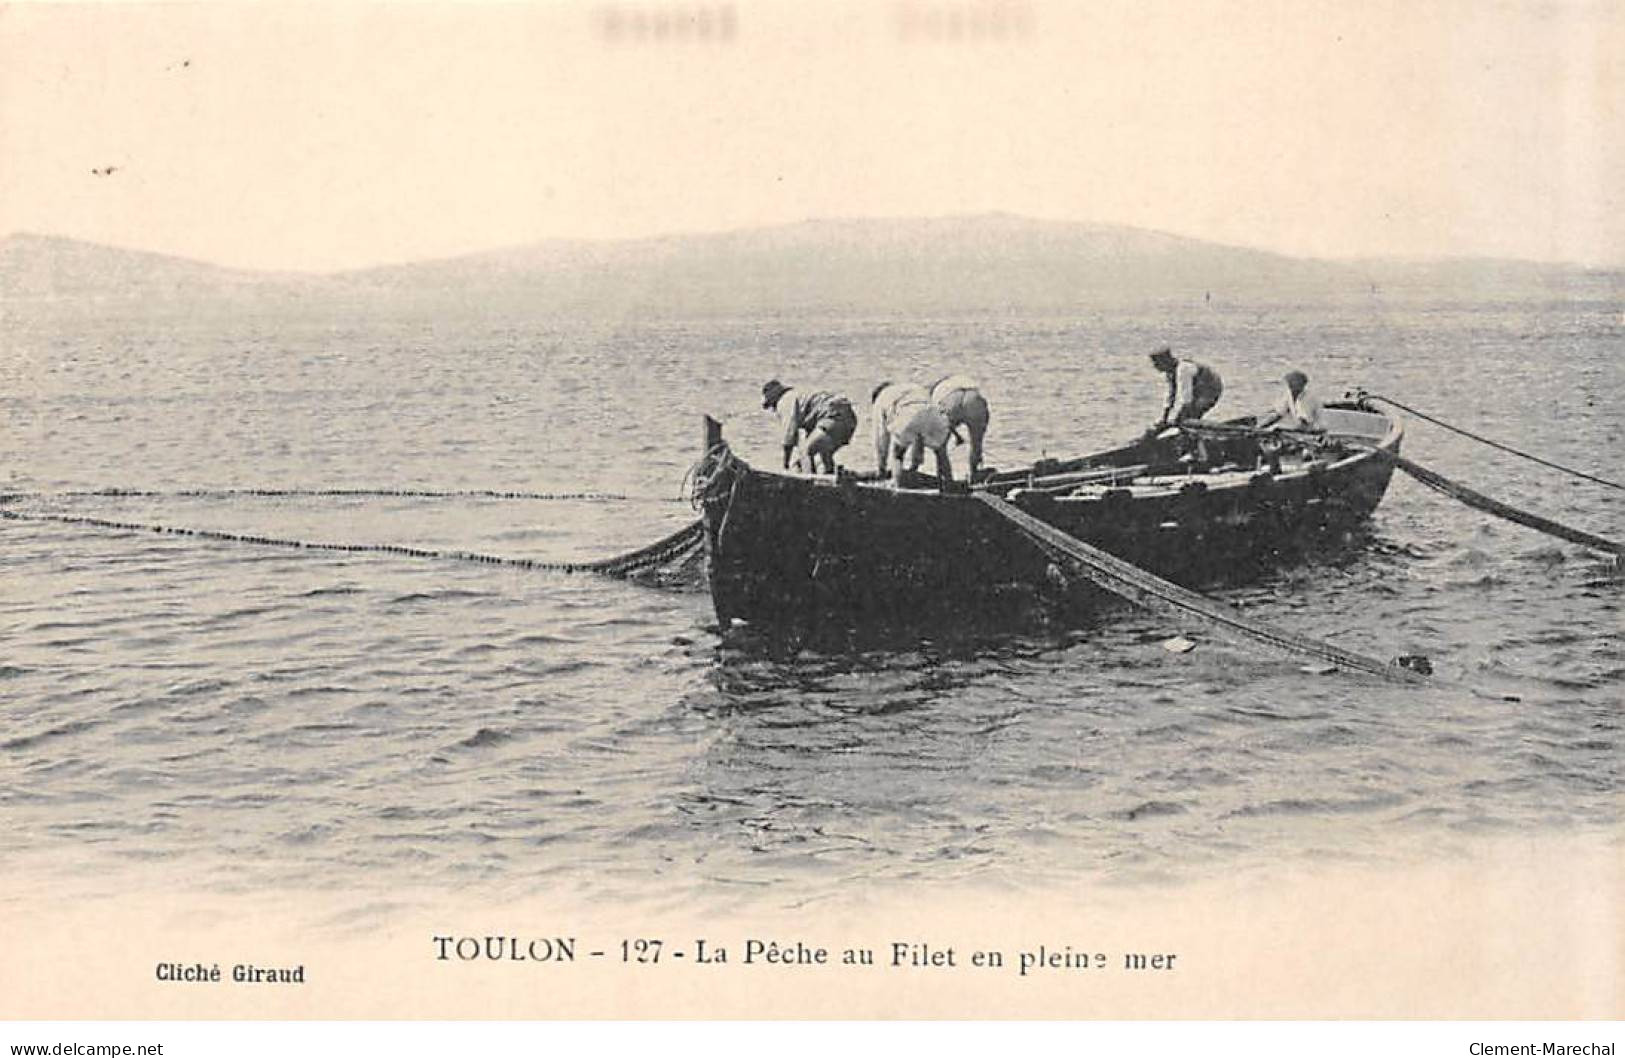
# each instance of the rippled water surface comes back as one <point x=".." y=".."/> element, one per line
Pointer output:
<point x="260" y="717"/>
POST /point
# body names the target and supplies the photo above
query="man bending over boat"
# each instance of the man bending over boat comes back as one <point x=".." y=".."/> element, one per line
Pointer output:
<point x="961" y="400"/>
<point x="826" y="418"/>
<point x="907" y="423"/>
<point x="1298" y="409"/>
<point x="1193" y="389"/>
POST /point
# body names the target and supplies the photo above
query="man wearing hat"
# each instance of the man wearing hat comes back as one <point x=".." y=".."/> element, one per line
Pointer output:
<point x="1298" y="409"/>
<point x="826" y="418"/>
<point x="1193" y="389"/>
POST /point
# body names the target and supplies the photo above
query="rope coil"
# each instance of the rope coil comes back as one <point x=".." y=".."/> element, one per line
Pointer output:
<point x="708" y="478"/>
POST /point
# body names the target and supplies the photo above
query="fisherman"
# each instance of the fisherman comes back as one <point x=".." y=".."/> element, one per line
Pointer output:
<point x="1298" y="409"/>
<point x="826" y="418"/>
<point x="961" y="400"/>
<point x="1193" y="389"/>
<point x="906" y="423"/>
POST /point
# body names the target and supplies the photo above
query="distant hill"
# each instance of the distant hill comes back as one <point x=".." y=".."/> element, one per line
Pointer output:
<point x="988" y="263"/>
<point x="46" y="267"/>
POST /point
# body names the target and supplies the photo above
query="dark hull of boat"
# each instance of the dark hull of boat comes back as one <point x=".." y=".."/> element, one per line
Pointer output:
<point x="788" y="551"/>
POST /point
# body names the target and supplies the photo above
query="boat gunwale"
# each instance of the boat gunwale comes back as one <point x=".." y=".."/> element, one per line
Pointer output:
<point x="1367" y="449"/>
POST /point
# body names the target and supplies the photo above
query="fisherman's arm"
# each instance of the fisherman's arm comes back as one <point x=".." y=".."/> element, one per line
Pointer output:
<point x="1277" y="412"/>
<point x="792" y="431"/>
<point x="1313" y="421"/>
<point x="1184" y="397"/>
<point x="1167" y="410"/>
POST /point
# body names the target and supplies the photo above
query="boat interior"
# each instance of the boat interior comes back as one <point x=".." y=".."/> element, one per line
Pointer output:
<point x="1222" y="454"/>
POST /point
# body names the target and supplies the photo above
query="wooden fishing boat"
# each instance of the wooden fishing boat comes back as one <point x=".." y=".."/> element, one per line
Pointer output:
<point x="1211" y="505"/>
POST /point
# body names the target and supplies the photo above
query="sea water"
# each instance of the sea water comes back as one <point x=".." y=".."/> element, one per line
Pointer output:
<point x="232" y="718"/>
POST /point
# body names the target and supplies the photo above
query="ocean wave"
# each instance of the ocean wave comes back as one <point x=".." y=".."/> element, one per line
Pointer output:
<point x="1313" y="806"/>
<point x="485" y="737"/>
<point x="72" y="727"/>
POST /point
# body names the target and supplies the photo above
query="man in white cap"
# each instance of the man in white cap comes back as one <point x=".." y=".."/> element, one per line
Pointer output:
<point x="907" y="423"/>
<point x="826" y="418"/>
<point x="1298" y="409"/>
<point x="961" y="400"/>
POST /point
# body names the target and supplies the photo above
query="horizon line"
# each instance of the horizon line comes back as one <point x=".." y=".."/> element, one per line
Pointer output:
<point x="612" y="240"/>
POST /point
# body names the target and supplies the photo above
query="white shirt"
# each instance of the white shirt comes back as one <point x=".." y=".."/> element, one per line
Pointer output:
<point x="1184" y="384"/>
<point x="949" y="385"/>
<point x="904" y="413"/>
<point x="789" y="417"/>
<point x="1302" y="412"/>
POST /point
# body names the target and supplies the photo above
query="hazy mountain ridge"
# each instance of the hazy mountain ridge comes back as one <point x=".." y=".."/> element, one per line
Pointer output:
<point x="991" y="262"/>
<point x="52" y="267"/>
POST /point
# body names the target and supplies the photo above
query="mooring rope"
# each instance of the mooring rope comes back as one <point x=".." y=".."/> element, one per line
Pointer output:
<point x="1363" y="395"/>
<point x="710" y="476"/>
<point x="662" y="551"/>
<point x="1145" y="588"/>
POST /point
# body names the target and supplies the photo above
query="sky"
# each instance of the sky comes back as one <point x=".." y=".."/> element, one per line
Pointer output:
<point x="320" y="137"/>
